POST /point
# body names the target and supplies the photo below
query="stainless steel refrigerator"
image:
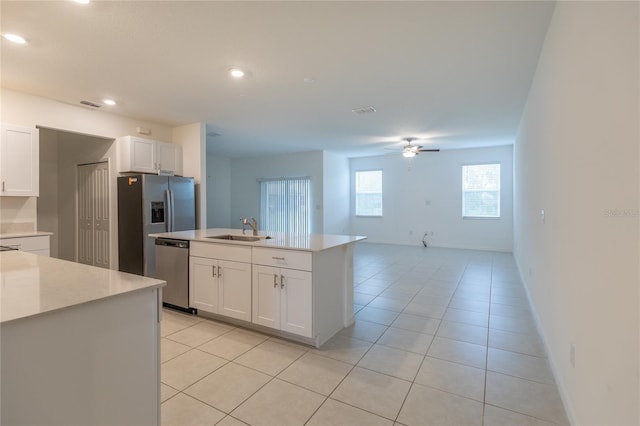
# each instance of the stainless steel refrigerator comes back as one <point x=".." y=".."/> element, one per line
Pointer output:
<point x="149" y="204"/>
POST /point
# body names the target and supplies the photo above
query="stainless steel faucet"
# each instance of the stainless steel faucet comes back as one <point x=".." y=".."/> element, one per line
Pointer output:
<point x="252" y="223"/>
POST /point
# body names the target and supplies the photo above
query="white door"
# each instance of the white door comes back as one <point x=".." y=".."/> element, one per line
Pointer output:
<point x="234" y="289"/>
<point x="93" y="214"/>
<point x="203" y="284"/>
<point x="266" y="296"/>
<point x="296" y="302"/>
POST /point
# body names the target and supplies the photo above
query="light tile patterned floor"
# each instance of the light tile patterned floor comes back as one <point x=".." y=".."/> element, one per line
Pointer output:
<point x="442" y="337"/>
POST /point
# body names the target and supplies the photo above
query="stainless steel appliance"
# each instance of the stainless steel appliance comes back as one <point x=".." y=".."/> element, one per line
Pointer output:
<point x="172" y="265"/>
<point x="149" y="204"/>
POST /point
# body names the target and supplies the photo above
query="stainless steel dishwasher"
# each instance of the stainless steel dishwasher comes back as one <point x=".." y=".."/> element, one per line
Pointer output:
<point x="172" y="266"/>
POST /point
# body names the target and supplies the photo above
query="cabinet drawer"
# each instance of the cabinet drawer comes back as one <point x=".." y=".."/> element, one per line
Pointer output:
<point x="221" y="251"/>
<point x="283" y="258"/>
<point x="27" y="243"/>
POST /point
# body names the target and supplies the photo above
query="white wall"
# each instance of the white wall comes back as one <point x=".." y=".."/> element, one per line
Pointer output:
<point x="218" y="192"/>
<point x="424" y="193"/>
<point x="335" y="170"/>
<point x="47" y="205"/>
<point x="576" y="157"/>
<point x="192" y="137"/>
<point x="245" y="189"/>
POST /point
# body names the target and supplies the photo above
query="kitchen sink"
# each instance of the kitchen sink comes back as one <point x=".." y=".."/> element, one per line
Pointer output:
<point x="240" y="237"/>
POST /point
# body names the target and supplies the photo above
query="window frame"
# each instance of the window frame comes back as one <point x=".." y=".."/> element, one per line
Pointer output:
<point x="499" y="190"/>
<point x="355" y="193"/>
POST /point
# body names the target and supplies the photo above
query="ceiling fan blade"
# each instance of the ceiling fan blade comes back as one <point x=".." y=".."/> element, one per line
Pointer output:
<point x="428" y="150"/>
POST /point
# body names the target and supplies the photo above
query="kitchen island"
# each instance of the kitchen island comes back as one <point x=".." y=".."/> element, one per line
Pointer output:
<point x="297" y="286"/>
<point x="78" y="344"/>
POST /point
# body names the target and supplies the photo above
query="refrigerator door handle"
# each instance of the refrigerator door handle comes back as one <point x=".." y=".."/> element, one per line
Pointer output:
<point x="169" y="218"/>
<point x="172" y="217"/>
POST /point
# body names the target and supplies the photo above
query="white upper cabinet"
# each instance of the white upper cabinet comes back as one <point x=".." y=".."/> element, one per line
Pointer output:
<point x="169" y="157"/>
<point x="19" y="161"/>
<point x="148" y="156"/>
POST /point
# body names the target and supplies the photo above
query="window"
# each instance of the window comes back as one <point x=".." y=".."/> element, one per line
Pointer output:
<point x="369" y="193"/>
<point x="481" y="190"/>
<point x="285" y="205"/>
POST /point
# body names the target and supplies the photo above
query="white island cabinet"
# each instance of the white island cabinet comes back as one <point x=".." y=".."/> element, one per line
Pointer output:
<point x="295" y="286"/>
<point x="282" y="297"/>
<point x="79" y="345"/>
<point x="220" y="279"/>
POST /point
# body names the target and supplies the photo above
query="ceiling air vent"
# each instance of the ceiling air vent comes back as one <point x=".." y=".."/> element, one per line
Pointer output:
<point x="91" y="104"/>
<point x="363" y="110"/>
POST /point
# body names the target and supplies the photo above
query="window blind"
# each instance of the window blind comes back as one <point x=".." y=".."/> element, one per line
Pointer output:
<point x="285" y="205"/>
<point x="481" y="190"/>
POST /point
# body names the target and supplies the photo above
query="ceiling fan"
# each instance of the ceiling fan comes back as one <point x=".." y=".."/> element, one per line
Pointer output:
<point x="410" y="150"/>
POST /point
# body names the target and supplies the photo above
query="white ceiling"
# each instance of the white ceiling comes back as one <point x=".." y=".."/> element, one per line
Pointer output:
<point x="456" y="72"/>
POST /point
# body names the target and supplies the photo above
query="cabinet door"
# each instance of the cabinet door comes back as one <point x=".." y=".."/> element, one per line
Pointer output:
<point x="143" y="155"/>
<point x="296" y="311"/>
<point x="266" y="296"/>
<point x="203" y="284"/>
<point x="234" y="291"/>
<point x="19" y="161"/>
<point x="166" y="157"/>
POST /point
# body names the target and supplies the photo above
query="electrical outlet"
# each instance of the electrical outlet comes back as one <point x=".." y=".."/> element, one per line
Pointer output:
<point x="542" y="216"/>
<point x="572" y="355"/>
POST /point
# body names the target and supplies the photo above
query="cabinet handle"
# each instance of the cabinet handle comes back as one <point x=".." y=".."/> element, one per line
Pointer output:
<point x="275" y="281"/>
<point x="2" y="186"/>
<point x="281" y="281"/>
<point x="277" y="258"/>
<point x="219" y="271"/>
<point x="213" y="271"/>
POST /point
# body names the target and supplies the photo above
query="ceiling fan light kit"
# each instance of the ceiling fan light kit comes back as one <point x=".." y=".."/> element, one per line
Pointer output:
<point x="410" y="151"/>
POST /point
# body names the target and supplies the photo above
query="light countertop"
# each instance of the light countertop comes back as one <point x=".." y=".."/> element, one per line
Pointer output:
<point x="25" y="234"/>
<point x="32" y="285"/>
<point x="306" y="242"/>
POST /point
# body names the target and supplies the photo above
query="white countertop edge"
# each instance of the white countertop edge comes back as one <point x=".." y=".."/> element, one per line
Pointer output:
<point x="25" y="234"/>
<point x="285" y="241"/>
<point x="35" y="285"/>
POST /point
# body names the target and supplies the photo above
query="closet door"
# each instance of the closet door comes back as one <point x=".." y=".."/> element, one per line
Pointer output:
<point x="93" y="214"/>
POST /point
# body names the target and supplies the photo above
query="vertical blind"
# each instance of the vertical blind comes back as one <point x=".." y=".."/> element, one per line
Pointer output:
<point x="285" y="205"/>
<point x="481" y="190"/>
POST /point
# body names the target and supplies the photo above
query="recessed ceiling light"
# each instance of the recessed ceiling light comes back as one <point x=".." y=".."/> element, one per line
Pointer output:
<point x="15" y="38"/>
<point x="236" y="73"/>
<point x="110" y="102"/>
<point x="308" y="80"/>
<point x="82" y="1"/>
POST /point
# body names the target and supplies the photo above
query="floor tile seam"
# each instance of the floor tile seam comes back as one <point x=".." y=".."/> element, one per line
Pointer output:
<point x="404" y="349"/>
<point x="361" y="408"/>
<point x="522" y="333"/>
<point x="451" y="393"/>
<point x="268" y="374"/>
<point x="523" y="414"/>
<point x="458" y="340"/>
<point x="235" y="418"/>
<point x="519" y="353"/>
<point x="522" y="378"/>
<point x="391" y="375"/>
